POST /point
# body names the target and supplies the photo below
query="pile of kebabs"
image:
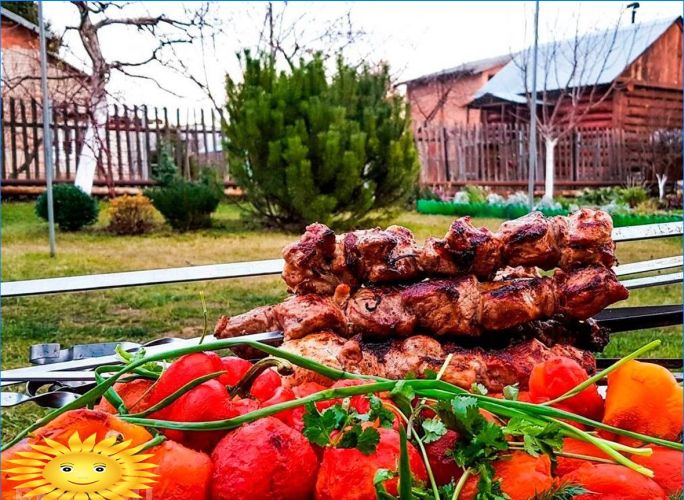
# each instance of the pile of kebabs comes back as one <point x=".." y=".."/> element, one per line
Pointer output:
<point x="377" y="303"/>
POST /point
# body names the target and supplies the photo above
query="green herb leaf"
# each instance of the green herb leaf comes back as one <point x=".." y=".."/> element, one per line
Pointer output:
<point x="365" y="440"/>
<point x="467" y="413"/>
<point x="447" y="490"/>
<point x="478" y="388"/>
<point x="537" y="438"/>
<point x="318" y="426"/>
<point x="405" y="479"/>
<point x="382" y="475"/>
<point x="489" y="488"/>
<point x="511" y="392"/>
<point x="403" y="395"/>
<point x="379" y="412"/>
<point x="562" y="491"/>
<point x="368" y="440"/>
<point x="434" y="429"/>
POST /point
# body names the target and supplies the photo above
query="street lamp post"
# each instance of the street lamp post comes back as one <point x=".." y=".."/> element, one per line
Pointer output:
<point x="532" y="160"/>
<point x="47" y="133"/>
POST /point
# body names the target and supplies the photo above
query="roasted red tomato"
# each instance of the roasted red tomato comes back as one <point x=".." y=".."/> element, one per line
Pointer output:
<point x="441" y="461"/>
<point x="347" y="474"/>
<point x="555" y="377"/>
<point x="263" y="460"/>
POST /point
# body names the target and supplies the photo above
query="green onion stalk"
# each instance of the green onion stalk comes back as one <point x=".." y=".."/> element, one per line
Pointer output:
<point x="430" y="389"/>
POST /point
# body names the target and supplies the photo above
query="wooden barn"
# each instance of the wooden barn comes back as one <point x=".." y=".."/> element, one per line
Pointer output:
<point x="630" y="78"/>
<point x="613" y="99"/>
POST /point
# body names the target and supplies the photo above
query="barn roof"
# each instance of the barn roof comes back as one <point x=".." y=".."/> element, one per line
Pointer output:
<point x="601" y="58"/>
<point x="467" y="68"/>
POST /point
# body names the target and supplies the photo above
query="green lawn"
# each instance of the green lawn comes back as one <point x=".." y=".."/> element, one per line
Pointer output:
<point x="143" y="313"/>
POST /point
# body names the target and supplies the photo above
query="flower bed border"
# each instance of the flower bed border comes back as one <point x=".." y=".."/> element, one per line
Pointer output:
<point x="499" y="211"/>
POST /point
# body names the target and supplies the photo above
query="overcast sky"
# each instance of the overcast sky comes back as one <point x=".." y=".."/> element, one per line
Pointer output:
<point x="414" y="37"/>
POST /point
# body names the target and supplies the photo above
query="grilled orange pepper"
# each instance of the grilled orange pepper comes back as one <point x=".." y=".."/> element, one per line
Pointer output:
<point x="644" y="398"/>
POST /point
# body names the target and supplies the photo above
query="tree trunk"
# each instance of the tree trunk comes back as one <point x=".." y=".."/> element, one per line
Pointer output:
<point x="549" y="177"/>
<point x="662" y="180"/>
<point x="92" y="145"/>
<point x="97" y="102"/>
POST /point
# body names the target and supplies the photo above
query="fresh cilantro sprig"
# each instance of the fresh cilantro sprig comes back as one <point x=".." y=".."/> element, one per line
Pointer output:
<point x="378" y="411"/>
<point x="480" y="442"/>
<point x="433" y="429"/>
<point x="318" y="426"/>
<point x="537" y="438"/>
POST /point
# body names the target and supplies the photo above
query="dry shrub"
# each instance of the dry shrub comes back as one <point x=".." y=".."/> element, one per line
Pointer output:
<point x="131" y="215"/>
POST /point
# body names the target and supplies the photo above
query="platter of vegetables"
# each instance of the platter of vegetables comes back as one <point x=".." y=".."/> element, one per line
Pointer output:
<point x="219" y="427"/>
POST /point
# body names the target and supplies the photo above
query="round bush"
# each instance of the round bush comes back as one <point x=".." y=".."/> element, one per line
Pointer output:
<point x="73" y="208"/>
<point x="185" y="205"/>
<point x="130" y="215"/>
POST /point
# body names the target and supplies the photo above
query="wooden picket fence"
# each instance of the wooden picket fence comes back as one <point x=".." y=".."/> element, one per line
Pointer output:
<point x="133" y="136"/>
<point x="498" y="155"/>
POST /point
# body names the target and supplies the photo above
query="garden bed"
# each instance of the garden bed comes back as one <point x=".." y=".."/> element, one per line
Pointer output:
<point x="501" y="211"/>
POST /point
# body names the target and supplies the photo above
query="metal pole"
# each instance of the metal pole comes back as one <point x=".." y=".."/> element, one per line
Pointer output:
<point x="47" y="133"/>
<point x="532" y="160"/>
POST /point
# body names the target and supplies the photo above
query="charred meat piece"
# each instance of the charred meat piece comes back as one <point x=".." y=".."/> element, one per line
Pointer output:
<point x="506" y="304"/>
<point x="334" y="351"/>
<point x="476" y="251"/>
<point x="382" y="256"/>
<point x="303" y="314"/>
<point x="435" y="259"/>
<point x="309" y="262"/>
<point x="296" y="317"/>
<point x="419" y="355"/>
<point x="260" y="319"/>
<point x="587" y="291"/>
<point x="379" y="313"/>
<point x="589" y="239"/>
<point x="533" y="240"/>
<point x="445" y="307"/>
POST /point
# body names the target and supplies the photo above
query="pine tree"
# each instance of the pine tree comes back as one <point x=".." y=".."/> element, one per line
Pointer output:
<point x="306" y="148"/>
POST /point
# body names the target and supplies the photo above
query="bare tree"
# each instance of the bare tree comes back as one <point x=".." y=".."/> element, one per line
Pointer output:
<point x="283" y="34"/>
<point x="660" y="149"/>
<point x="93" y="18"/>
<point x="572" y="82"/>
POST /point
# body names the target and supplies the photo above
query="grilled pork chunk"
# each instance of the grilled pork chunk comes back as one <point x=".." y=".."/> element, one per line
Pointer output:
<point x="461" y="307"/>
<point x="420" y="355"/>
<point x="320" y="261"/>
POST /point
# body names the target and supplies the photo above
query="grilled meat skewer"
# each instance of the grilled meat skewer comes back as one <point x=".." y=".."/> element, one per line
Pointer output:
<point x="445" y="308"/>
<point x="419" y="355"/>
<point x="320" y="260"/>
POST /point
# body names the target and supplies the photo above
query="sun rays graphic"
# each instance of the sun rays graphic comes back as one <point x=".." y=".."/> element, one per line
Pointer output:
<point x="82" y="469"/>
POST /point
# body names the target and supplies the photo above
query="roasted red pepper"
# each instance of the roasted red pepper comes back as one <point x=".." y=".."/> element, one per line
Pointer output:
<point x="235" y="369"/>
<point x="265" y="385"/>
<point x="182" y="371"/>
<point x="281" y="395"/>
<point x="206" y="402"/>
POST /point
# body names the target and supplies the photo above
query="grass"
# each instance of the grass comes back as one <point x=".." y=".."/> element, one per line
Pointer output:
<point x="143" y="313"/>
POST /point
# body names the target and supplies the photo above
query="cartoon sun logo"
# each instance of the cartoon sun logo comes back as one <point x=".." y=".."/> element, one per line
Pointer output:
<point x="82" y="470"/>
